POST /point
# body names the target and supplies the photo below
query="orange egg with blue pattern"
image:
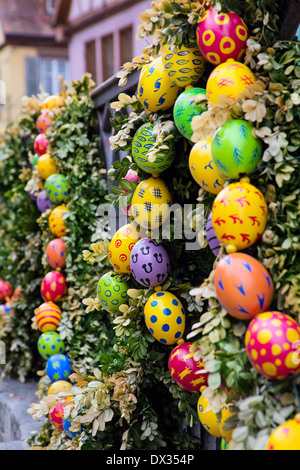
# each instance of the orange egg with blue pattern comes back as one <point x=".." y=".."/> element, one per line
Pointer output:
<point x="54" y="287"/>
<point x="56" y="253"/>
<point x="43" y="123"/>
<point x="185" y="370"/>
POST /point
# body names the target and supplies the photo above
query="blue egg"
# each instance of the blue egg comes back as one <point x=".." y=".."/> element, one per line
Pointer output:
<point x="58" y="367"/>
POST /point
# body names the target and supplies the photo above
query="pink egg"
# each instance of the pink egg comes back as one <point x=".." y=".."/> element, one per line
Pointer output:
<point x="131" y="177"/>
<point x="54" y="287"/>
<point x="41" y="144"/>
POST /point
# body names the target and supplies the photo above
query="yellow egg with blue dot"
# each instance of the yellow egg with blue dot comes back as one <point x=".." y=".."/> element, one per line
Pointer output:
<point x="156" y="90"/>
<point x="165" y="317"/>
<point x="184" y="66"/>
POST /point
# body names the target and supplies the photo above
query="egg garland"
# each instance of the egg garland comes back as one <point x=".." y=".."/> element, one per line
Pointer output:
<point x="43" y="202"/>
<point x="121" y="247"/>
<point x="46" y="166"/>
<point x="54" y="287"/>
<point x="185" y="65"/>
<point x="41" y="144"/>
<point x="185" y="109"/>
<point x="213" y="241"/>
<point x="149" y="263"/>
<point x="239" y="215"/>
<point x="49" y="343"/>
<point x="221" y="36"/>
<point x="143" y="142"/>
<point x="234" y="149"/>
<point x="203" y="168"/>
<point x="48" y="317"/>
<point x="270" y="345"/>
<point x="286" y="436"/>
<point x="6" y="291"/>
<point x="56" y="253"/>
<point x="208" y="417"/>
<point x="57" y="223"/>
<point x="243" y="286"/>
<point x="185" y="371"/>
<point x="156" y="90"/>
<point x="112" y="292"/>
<point x="165" y="317"/>
<point x="57" y="187"/>
<point x="58" y="367"/>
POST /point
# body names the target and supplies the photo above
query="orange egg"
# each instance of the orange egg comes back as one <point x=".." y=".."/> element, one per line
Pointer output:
<point x="43" y="123"/>
<point x="56" y="253"/>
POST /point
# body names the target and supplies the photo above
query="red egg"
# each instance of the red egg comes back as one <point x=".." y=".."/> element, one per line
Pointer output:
<point x="243" y="286"/>
<point x="53" y="287"/>
<point x="5" y="291"/>
<point x="56" y="253"/>
<point x="43" y="123"/>
<point x="57" y="416"/>
<point x="41" y="144"/>
<point x="221" y="36"/>
<point x="272" y="341"/>
<point x="183" y="368"/>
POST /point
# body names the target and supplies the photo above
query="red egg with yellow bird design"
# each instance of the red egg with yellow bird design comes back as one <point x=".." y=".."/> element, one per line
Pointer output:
<point x="53" y="287"/>
<point x="56" y="416"/>
<point x="185" y="370"/>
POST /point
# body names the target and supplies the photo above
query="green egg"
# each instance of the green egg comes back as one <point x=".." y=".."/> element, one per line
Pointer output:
<point x="57" y="188"/>
<point x="112" y="292"/>
<point x="185" y="110"/>
<point x="49" y="343"/>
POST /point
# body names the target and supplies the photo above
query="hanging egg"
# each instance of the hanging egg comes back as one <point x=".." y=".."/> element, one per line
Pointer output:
<point x="185" y="66"/>
<point x="221" y="36"/>
<point x="43" y="202"/>
<point x="151" y="203"/>
<point x="239" y="215"/>
<point x="41" y="144"/>
<point x="54" y="287"/>
<point x="57" y="187"/>
<point x="48" y="317"/>
<point x="156" y="90"/>
<point x="243" y="286"/>
<point x="43" y="123"/>
<point x="286" y="436"/>
<point x="225" y="414"/>
<point x="234" y="149"/>
<point x="59" y="386"/>
<point x="271" y="344"/>
<point x="67" y="423"/>
<point x="149" y="263"/>
<point x="203" y="169"/>
<point x="184" y="370"/>
<point x="121" y="247"/>
<point x="6" y="291"/>
<point x="230" y="79"/>
<point x="213" y="241"/>
<point x="185" y="109"/>
<point x="56" y="416"/>
<point x="142" y="144"/>
<point x="131" y="176"/>
<point x="57" y="222"/>
<point x="208" y="417"/>
<point x="52" y="102"/>
<point x="58" y="367"/>
<point x="112" y="292"/>
<point x="56" y="253"/>
<point x="165" y="317"/>
<point x="46" y="166"/>
<point x="49" y="343"/>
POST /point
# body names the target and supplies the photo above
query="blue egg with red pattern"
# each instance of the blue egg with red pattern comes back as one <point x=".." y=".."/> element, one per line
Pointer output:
<point x="58" y="367"/>
<point x="57" y="188"/>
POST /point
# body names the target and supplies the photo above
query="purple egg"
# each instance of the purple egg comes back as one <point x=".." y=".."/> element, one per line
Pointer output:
<point x="149" y="263"/>
<point x="43" y="202"/>
<point x="213" y="241"/>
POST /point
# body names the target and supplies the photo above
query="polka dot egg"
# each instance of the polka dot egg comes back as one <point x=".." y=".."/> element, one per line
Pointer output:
<point x="286" y="436"/>
<point x="121" y="247"/>
<point x="57" y="187"/>
<point x="184" y="66"/>
<point x="58" y="367"/>
<point x="271" y="345"/>
<point x="57" y="222"/>
<point x="43" y="123"/>
<point x="165" y="317"/>
<point x="112" y="292"/>
<point x="56" y="253"/>
<point x="49" y="344"/>
<point x="54" y="287"/>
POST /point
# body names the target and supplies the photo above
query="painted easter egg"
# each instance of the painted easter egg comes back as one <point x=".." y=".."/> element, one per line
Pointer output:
<point x="234" y="149"/>
<point x="56" y="253"/>
<point x="48" y="317"/>
<point x="239" y="215"/>
<point x="151" y="203"/>
<point x="243" y="286"/>
<point x="184" y="370"/>
<point x="57" y="187"/>
<point x="121" y="246"/>
<point x="184" y="66"/>
<point x="17" y="294"/>
<point x="59" y="386"/>
<point x="208" y="417"/>
<point x="156" y="90"/>
<point x="230" y="79"/>
<point x="131" y="176"/>
<point x="57" y="222"/>
<point x="54" y="287"/>
<point x="213" y="241"/>
<point x="203" y="168"/>
<point x="286" y="436"/>
<point x="149" y="263"/>
<point x="41" y="144"/>
<point x="225" y="414"/>
<point x="35" y="160"/>
<point x="56" y="416"/>
<point x="185" y="109"/>
<point x="221" y="36"/>
<point x="43" y="123"/>
<point x="112" y="292"/>
<point x="49" y="343"/>
<point x="271" y="344"/>
<point x="58" y="367"/>
<point x="6" y="291"/>
<point x="46" y="166"/>
<point x="52" y="102"/>
<point x="67" y="423"/>
<point x="142" y="144"/>
<point x="43" y="202"/>
<point x="224" y="445"/>
<point x="165" y="317"/>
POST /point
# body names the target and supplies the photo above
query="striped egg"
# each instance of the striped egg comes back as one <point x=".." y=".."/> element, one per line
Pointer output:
<point x="48" y="317"/>
<point x="54" y="287"/>
<point x="56" y="253"/>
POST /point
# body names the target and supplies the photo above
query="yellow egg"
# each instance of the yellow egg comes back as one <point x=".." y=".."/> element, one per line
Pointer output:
<point x="208" y="418"/>
<point x="185" y="66"/>
<point x="59" y="386"/>
<point x="46" y="166"/>
<point x="165" y="317"/>
<point x="229" y="78"/>
<point x="151" y="203"/>
<point x="121" y="246"/>
<point x="57" y="223"/>
<point x="225" y="414"/>
<point x="286" y="436"/>
<point x="156" y="90"/>
<point x="203" y="168"/>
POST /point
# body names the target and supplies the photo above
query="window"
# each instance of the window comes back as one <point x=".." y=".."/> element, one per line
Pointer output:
<point x="91" y="59"/>
<point x="108" y="57"/>
<point x="45" y="72"/>
<point x="126" y="45"/>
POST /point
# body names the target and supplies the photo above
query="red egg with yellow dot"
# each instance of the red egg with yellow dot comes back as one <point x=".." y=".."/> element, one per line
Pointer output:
<point x="5" y="291"/>
<point x="41" y="144"/>
<point x="53" y="287"/>
<point x="271" y="344"/>
<point x="185" y="370"/>
<point x="221" y="36"/>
